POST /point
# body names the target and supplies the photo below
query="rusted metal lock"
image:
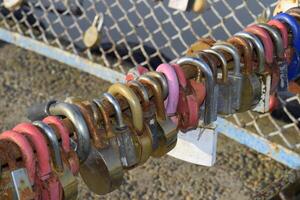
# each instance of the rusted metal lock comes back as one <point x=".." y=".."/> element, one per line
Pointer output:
<point x="92" y="35"/>
<point x="166" y="129"/>
<point x="141" y="132"/>
<point x="264" y="76"/>
<point x="103" y="171"/>
<point x="234" y="77"/>
<point x="251" y="86"/>
<point x="128" y="152"/>
<point x="16" y="183"/>
<point x="68" y="182"/>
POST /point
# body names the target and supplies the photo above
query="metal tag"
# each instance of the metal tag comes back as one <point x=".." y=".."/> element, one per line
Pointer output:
<point x="179" y="4"/>
<point x="197" y="146"/>
<point x="263" y="105"/>
<point x="284" y="82"/>
<point x="21" y="184"/>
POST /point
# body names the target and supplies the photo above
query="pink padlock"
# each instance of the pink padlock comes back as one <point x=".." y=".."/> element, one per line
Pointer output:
<point x="64" y="133"/>
<point x="46" y="179"/>
<point x="172" y="100"/>
<point x="25" y="149"/>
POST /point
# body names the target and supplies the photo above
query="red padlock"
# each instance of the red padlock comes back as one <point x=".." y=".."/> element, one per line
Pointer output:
<point x="46" y="180"/>
<point x="64" y="134"/>
<point x="134" y="73"/>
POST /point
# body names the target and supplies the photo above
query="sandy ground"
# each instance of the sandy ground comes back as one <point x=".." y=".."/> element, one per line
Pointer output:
<point x="27" y="78"/>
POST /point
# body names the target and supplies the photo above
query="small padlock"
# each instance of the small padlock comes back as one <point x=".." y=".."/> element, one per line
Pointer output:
<point x="172" y="101"/>
<point x="181" y="5"/>
<point x="12" y="5"/>
<point x="264" y="76"/>
<point x="282" y="59"/>
<point x="166" y="129"/>
<point x="135" y="72"/>
<point x="251" y="86"/>
<point x="92" y="35"/>
<point x="234" y="77"/>
<point x="17" y="183"/>
<point x="102" y="171"/>
<point x="285" y="5"/>
<point x="199" y="5"/>
<point x="200" y="45"/>
<point x="294" y="67"/>
<point x="128" y="153"/>
<point x="68" y="187"/>
<point x="142" y="132"/>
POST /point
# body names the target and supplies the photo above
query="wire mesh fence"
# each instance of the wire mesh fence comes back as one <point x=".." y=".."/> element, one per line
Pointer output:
<point x="138" y="32"/>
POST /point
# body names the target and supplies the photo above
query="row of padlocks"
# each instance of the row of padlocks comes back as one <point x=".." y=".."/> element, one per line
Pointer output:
<point x="103" y="138"/>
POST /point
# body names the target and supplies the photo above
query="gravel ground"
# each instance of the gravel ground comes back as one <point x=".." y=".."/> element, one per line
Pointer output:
<point x="27" y="78"/>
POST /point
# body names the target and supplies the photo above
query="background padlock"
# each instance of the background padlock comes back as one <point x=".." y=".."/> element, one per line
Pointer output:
<point x="12" y="5"/>
<point x="92" y="35"/>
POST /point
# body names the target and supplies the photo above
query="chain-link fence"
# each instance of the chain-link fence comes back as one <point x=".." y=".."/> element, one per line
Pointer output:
<point x="138" y="32"/>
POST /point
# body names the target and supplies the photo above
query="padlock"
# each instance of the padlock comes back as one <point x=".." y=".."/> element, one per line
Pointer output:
<point x="128" y="153"/>
<point x="181" y="5"/>
<point x="17" y="183"/>
<point x="295" y="12"/>
<point x="284" y="5"/>
<point x="166" y="129"/>
<point x="92" y="35"/>
<point x="251" y="86"/>
<point x="200" y="45"/>
<point x="223" y="89"/>
<point x="294" y="67"/>
<point x="103" y="171"/>
<point x="12" y="5"/>
<point x="142" y="133"/>
<point x="163" y="82"/>
<point x="199" y="5"/>
<point x="46" y="180"/>
<point x="234" y="78"/>
<point x="73" y="113"/>
<point x="67" y="152"/>
<point x="282" y="59"/>
<point x="264" y="76"/>
<point x="68" y="185"/>
<point x="272" y="36"/>
<point x="148" y="109"/>
<point x="135" y="72"/>
<point x="199" y="64"/>
<point x="172" y="101"/>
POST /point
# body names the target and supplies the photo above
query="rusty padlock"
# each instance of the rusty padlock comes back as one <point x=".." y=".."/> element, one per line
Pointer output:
<point x="17" y="182"/>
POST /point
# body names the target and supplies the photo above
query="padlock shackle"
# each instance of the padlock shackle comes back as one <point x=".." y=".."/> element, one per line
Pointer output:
<point x="209" y="60"/>
<point x="73" y="113"/>
<point x="223" y="61"/>
<point x="26" y="150"/>
<point x="246" y="47"/>
<point x="133" y="101"/>
<point x="294" y="27"/>
<point x="172" y="101"/>
<point x="157" y="93"/>
<point x="259" y="48"/>
<point x="209" y="83"/>
<point x="163" y="82"/>
<point x="142" y="91"/>
<point x="40" y="145"/>
<point x="233" y="51"/>
<point x="53" y="140"/>
<point x="265" y="38"/>
<point x="283" y="31"/>
<point x="295" y="12"/>
<point x="117" y="108"/>
<point x="276" y="38"/>
<point x="63" y="131"/>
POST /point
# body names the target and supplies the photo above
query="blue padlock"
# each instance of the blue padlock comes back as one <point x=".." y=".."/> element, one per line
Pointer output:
<point x="294" y="67"/>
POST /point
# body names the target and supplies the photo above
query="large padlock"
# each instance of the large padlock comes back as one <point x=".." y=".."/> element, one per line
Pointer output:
<point x="46" y="180"/>
<point x="67" y="152"/>
<point x="234" y="77"/>
<point x="142" y="133"/>
<point x="191" y="66"/>
<point x="282" y="59"/>
<point x="294" y="67"/>
<point x="128" y="153"/>
<point x="251" y="86"/>
<point x="18" y="181"/>
<point x="102" y="171"/>
<point x="92" y="35"/>
<point x="68" y="185"/>
<point x="223" y="89"/>
<point x="264" y="76"/>
<point x="172" y="101"/>
<point x="166" y="129"/>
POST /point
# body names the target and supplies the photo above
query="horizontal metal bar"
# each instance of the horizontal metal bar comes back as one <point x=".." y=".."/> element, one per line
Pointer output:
<point x="61" y="56"/>
<point x="260" y="144"/>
